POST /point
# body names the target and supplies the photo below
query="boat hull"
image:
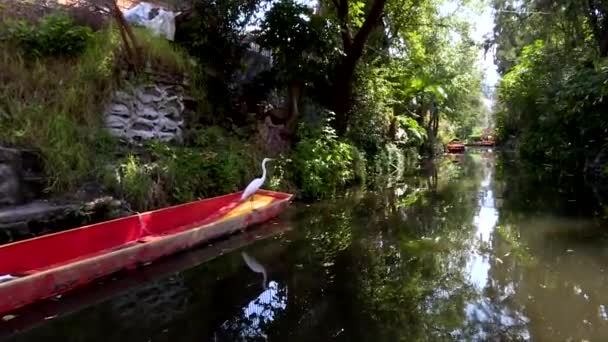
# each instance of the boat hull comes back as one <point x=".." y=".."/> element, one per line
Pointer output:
<point x="456" y="149"/>
<point x="37" y="284"/>
<point x="123" y="283"/>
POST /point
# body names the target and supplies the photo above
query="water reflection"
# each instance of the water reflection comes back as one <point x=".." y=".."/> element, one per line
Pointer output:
<point x="485" y="223"/>
<point x="258" y="313"/>
<point x="472" y="248"/>
<point x="255" y="266"/>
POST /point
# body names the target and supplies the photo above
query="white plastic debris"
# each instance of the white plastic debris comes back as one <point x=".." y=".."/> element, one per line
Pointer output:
<point x="160" y="21"/>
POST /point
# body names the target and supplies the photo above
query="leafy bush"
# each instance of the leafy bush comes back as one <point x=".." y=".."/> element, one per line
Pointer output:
<point x="322" y="164"/>
<point x="557" y="113"/>
<point x="190" y="173"/>
<point x="302" y="44"/>
<point x="53" y="35"/>
<point x="370" y="119"/>
<point x="409" y="132"/>
<point x="137" y="182"/>
<point x="218" y="164"/>
<point x="212" y="35"/>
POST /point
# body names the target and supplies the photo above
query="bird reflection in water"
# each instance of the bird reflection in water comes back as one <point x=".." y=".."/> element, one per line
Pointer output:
<point x="260" y="311"/>
<point x="255" y="266"/>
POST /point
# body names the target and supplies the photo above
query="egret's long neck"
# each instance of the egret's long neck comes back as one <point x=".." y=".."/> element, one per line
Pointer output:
<point x="264" y="169"/>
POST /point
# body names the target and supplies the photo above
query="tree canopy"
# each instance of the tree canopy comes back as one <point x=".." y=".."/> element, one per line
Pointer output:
<point x="553" y="60"/>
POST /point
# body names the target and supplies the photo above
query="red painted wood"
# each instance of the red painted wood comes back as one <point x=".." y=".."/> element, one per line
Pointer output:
<point x="30" y="319"/>
<point x="124" y="245"/>
<point x="36" y="254"/>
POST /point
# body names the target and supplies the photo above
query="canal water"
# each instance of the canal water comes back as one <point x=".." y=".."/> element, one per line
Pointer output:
<point x="473" y="248"/>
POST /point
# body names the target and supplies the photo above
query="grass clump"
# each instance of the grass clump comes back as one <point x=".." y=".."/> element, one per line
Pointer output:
<point x="52" y="35"/>
<point x="163" y="174"/>
<point x="161" y="52"/>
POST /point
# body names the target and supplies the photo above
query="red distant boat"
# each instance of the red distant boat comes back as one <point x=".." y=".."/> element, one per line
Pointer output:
<point x="455" y="146"/>
<point x="49" y="265"/>
<point x="488" y="141"/>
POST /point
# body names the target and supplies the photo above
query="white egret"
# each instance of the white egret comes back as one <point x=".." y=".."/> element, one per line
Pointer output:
<point x="257" y="183"/>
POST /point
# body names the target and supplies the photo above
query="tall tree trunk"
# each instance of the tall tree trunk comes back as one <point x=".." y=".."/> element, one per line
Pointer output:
<point x="353" y="50"/>
<point x="432" y="128"/>
<point x="597" y="18"/>
<point x="293" y="102"/>
<point x="342" y="94"/>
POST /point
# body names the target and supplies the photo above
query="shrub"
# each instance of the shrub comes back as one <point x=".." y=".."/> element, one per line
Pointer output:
<point x="53" y="35"/>
<point x="137" y="182"/>
<point x="217" y="165"/>
<point x="322" y="164"/>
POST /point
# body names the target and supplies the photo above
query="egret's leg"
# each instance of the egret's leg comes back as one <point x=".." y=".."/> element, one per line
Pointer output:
<point x="252" y="204"/>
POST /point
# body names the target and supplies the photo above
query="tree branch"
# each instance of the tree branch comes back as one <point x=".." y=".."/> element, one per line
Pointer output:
<point x="368" y="26"/>
<point x="342" y="11"/>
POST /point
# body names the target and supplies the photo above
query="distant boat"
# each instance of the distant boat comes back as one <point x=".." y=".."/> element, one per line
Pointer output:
<point x="455" y="146"/>
<point x="485" y="141"/>
<point x="49" y="265"/>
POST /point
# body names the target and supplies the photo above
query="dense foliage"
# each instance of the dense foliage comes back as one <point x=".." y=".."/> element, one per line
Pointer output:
<point x="361" y="87"/>
<point x="552" y="94"/>
<point x="53" y="35"/>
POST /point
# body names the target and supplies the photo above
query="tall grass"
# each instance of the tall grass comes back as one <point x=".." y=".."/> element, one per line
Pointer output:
<point x="161" y="53"/>
<point x="56" y="103"/>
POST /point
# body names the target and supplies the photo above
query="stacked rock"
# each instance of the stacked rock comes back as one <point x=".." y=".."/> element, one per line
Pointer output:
<point x="151" y="111"/>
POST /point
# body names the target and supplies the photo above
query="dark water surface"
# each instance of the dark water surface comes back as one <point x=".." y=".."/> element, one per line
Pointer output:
<point x="474" y="249"/>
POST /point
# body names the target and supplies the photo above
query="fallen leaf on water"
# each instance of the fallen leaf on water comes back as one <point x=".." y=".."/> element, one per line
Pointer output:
<point x="8" y="317"/>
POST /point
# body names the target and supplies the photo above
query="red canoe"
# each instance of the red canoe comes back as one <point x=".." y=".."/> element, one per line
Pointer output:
<point x="455" y="146"/>
<point x="56" y="263"/>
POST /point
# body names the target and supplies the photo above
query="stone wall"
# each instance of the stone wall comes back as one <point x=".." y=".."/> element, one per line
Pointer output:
<point x="154" y="110"/>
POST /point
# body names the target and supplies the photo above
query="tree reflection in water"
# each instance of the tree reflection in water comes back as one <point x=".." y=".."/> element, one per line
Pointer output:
<point x="471" y="249"/>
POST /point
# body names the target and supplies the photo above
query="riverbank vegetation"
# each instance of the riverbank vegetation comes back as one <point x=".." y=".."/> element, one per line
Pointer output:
<point x="552" y="56"/>
<point x="359" y="90"/>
